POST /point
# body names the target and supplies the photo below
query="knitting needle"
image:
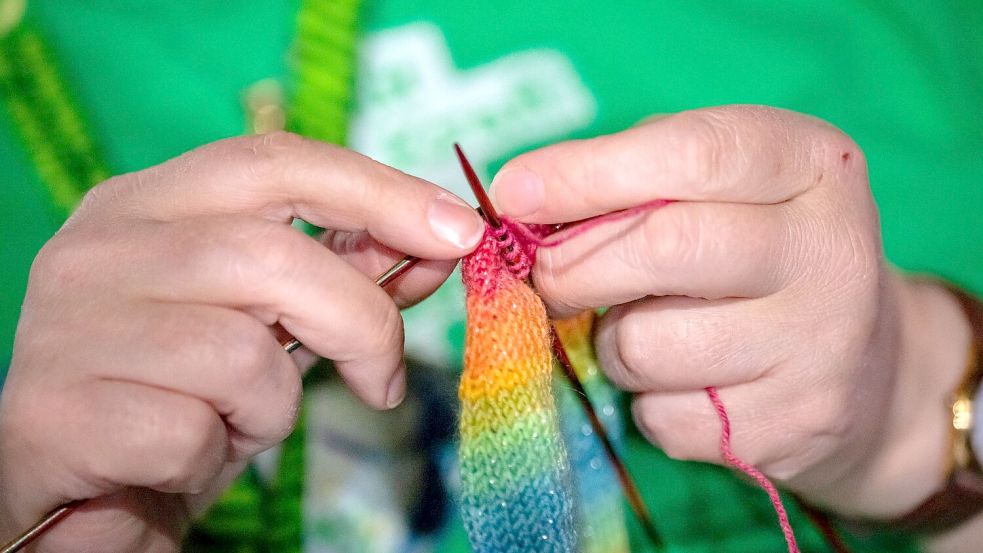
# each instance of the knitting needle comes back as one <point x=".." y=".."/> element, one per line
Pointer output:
<point x="285" y="339"/>
<point x="45" y="524"/>
<point x="486" y="208"/>
<point x="628" y="485"/>
<point x="632" y="493"/>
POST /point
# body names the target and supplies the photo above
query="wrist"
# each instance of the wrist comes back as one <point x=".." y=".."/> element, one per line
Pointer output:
<point x="906" y="457"/>
<point x="959" y="503"/>
<point x="935" y="341"/>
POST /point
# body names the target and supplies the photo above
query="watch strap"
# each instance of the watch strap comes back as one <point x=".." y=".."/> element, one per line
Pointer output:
<point x="962" y="496"/>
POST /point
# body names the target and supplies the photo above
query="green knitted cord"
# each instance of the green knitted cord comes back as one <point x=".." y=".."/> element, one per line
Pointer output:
<point x="323" y="61"/>
<point x="48" y="119"/>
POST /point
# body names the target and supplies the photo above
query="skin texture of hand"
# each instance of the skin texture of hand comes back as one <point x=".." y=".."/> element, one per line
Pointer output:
<point x="144" y="371"/>
<point x="765" y="278"/>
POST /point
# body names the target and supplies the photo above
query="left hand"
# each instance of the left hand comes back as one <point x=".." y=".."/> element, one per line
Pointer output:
<point x="765" y="278"/>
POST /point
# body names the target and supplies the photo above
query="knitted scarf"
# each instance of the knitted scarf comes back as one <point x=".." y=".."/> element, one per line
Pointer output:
<point x="525" y="474"/>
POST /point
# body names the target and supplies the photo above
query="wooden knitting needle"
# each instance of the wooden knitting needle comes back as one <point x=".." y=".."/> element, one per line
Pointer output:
<point x="628" y="485"/>
<point x="285" y="339"/>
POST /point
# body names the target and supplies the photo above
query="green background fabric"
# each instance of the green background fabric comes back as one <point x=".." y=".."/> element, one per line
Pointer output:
<point x="905" y="80"/>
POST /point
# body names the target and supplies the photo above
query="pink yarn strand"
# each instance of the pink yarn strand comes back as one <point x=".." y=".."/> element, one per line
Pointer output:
<point x="749" y="469"/>
<point x="584" y="226"/>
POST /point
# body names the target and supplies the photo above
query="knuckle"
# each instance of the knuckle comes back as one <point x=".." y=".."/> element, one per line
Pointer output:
<point x="195" y="453"/>
<point x="839" y="150"/>
<point x="279" y="141"/>
<point x="648" y="421"/>
<point x="677" y="448"/>
<point x="265" y="155"/>
<point x="111" y="191"/>
<point x="671" y="431"/>
<point x="547" y="285"/>
<point x="276" y="250"/>
<point x="672" y="240"/>
<point x="386" y="322"/>
<point x="63" y="262"/>
<point x="283" y="413"/>
<point x="699" y="343"/>
<point x="251" y="253"/>
<point x="690" y="351"/>
<point x="247" y="350"/>
<point x="293" y="394"/>
<point x="111" y="198"/>
<point x="827" y="415"/>
<point x="657" y="428"/>
<point x="633" y="354"/>
<point x="711" y="149"/>
<point x="835" y="153"/>
<point x="372" y="329"/>
<point x="99" y="195"/>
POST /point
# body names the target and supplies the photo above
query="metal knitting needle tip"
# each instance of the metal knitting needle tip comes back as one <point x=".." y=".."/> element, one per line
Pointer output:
<point x="487" y="210"/>
<point x="41" y="527"/>
<point x="397" y="270"/>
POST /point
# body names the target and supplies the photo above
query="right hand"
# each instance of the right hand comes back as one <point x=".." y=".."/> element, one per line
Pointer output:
<point x="144" y="373"/>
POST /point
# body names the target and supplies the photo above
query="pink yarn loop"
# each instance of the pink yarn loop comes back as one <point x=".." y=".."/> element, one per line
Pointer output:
<point x="518" y="242"/>
<point x="517" y="253"/>
<point x="750" y="470"/>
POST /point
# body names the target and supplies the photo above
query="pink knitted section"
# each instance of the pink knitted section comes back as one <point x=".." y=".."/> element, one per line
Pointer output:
<point x="518" y="242"/>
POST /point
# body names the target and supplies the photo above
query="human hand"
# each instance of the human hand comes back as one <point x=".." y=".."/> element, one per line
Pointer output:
<point x="144" y="372"/>
<point x="766" y="279"/>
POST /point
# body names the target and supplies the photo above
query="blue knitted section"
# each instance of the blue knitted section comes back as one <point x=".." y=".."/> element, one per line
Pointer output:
<point x="531" y="518"/>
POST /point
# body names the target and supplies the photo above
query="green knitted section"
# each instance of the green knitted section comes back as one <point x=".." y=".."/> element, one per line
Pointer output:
<point x="48" y="119"/>
<point x="324" y="69"/>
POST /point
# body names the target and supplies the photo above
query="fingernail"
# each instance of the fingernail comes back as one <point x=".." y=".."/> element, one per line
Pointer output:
<point x="517" y="192"/>
<point x="397" y="387"/>
<point x="454" y="221"/>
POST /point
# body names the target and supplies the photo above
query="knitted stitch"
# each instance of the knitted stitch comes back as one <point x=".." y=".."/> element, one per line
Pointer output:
<point x="515" y="477"/>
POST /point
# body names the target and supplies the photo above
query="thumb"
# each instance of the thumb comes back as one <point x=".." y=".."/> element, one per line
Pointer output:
<point x="740" y="154"/>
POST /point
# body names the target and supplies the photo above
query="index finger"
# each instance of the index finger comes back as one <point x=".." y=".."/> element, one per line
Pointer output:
<point x="280" y="176"/>
<point x="742" y="154"/>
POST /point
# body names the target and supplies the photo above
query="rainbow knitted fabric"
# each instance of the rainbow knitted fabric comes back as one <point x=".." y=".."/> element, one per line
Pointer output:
<point x="519" y="493"/>
<point x="515" y="477"/>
